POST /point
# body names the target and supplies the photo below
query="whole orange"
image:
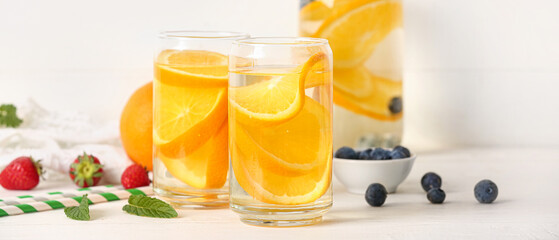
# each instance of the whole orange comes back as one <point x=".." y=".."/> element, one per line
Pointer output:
<point x="136" y="126"/>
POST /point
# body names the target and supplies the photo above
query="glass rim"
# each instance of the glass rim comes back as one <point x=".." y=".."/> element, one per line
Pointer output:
<point x="282" y="41"/>
<point x="205" y="35"/>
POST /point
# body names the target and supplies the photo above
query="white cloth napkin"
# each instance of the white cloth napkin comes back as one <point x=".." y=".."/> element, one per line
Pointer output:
<point x="57" y="138"/>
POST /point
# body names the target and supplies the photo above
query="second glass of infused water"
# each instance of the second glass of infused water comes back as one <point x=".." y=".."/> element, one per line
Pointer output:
<point x="280" y="130"/>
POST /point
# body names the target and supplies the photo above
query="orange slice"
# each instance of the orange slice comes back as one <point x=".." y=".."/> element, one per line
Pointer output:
<point x="355" y="29"/>
<point x="376" y="105"/>
<point x="273" y="188"/>
<point x="272" y="101"/>
<point x="311" y="17"/>
<point x="192" y="68"/>
<point x="291" y="148"/>
<point x="320" y="74"/>
<point x="286" y="163"/>
<point x="206" y="167"/>
<point x="354" y="81"/>
<point x="315" y="10"/>
<point x="185" y="118"/>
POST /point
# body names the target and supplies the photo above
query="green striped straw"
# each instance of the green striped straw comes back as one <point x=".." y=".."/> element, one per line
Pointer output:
<point x="72" y="201"/>
<point x="56" y="195"/>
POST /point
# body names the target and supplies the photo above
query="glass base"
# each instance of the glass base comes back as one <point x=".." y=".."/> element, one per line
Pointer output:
<point x="194" y="199"/>
<point x="281" y="217"/>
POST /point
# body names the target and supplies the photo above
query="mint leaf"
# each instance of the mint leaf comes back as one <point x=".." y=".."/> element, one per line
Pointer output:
<point x="79" y="213"/>
<point x="8" y="116"/>
<point x="149" y="207"/>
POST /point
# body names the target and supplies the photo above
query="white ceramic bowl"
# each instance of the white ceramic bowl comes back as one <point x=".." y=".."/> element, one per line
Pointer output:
<point x="357" y="175"/>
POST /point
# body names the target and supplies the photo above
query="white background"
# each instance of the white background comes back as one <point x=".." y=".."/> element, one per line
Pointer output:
<point x="477" y="73"/>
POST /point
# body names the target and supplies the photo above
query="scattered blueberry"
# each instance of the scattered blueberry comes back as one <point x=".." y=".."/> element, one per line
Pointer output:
<point x="364" y="155"/>
<point x="346" y="152"/>
<point x="376" y="194"/>
<point x="436" y="195"/>
<point x="431" y="180"/>
<point x="395" y="105"/>
<point x="380" y="154"/>
<point x="402" y="150"/>
<point x="486" y="191"/>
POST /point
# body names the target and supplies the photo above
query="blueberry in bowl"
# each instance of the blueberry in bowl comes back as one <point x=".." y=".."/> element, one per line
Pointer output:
<point x="388" y="167"/>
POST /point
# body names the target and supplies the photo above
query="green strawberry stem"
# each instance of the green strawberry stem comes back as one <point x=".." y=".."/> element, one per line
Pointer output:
<point x="38" y="167"/>
<point x="86" y="169"/>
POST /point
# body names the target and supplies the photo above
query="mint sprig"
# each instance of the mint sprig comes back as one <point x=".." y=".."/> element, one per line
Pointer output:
<point x="149" y="207"/>
<point x="8" y="116"/>
<point x="80" y="212"/>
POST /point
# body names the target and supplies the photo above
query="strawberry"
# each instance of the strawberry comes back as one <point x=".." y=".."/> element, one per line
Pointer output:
<point x="86" y="170"/>
<point x="21" y="174"/>
<point x="134" y="176"/>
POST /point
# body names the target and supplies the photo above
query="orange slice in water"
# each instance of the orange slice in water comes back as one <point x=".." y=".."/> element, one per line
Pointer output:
<point x="291" y="148"/>
<point x="275" y="100"/>
<point x="192" y="68"/>
<point x="286" y="163"/>
<point x="356" y="81"/>
<point x="354" y="29"/>
<point x="311" y="17"/>
<point x="185" y="118"/>
<point x="206" y="167"/>
<point x="376" y="103"/>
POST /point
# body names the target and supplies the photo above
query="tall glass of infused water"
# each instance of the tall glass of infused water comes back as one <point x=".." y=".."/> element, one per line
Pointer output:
<point x="366" y="37"/>
<point x="280" y="130"/>
<point x="190" y="130"/>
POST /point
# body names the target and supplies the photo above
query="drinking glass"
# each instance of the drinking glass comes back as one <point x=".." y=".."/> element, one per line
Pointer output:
<point x="367" y="38"/>
<point x="190" y="162"/>
<point x="280" y="130"/>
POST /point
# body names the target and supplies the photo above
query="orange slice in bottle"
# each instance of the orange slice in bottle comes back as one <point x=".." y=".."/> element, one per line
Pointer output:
<point x="186" y="118"/>
<point x="376" y="104"/>
<point x="311" y="17"/>
<point x="355" y="28"/>
<point x="272" y="101"/>
<point x="206" y="167"/>
<point x="356" y="81"/>
<point x="286" y="163"/>
<point x="192" y="68"/>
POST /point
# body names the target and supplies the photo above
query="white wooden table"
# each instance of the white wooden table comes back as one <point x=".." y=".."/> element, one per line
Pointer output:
<point x="527" y="208"/>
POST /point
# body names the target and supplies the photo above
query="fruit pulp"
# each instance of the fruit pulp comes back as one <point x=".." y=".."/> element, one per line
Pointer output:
<point x="190" y="128"/>
<point x="366" y="37"/>
<point x="280" y="128"/>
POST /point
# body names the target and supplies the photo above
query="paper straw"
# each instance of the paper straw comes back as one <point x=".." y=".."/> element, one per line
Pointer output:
<point x="56" y="195"/>
<point x="72" y="201"/>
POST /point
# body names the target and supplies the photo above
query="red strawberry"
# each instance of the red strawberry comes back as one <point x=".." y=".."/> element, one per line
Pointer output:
<point x="21" y="174"/>
<point x="134" y="176"/>
<point x="86" y="171"/>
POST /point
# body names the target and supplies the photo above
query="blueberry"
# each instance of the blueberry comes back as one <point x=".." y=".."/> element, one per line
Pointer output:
<point x="395" y="105"/>
<point x="346" y="153"/>
<point x="486" y="191"/>
<point x="436" y="195"/>
<point x="380" y="154"/>
<point x="376" y="194"/>
<point x="431" y="180"/>
<point x="397" y="154"/>
<point x="364" y="155"/>
<point x="403" y="150"/>
<point x="357" y="153"/>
